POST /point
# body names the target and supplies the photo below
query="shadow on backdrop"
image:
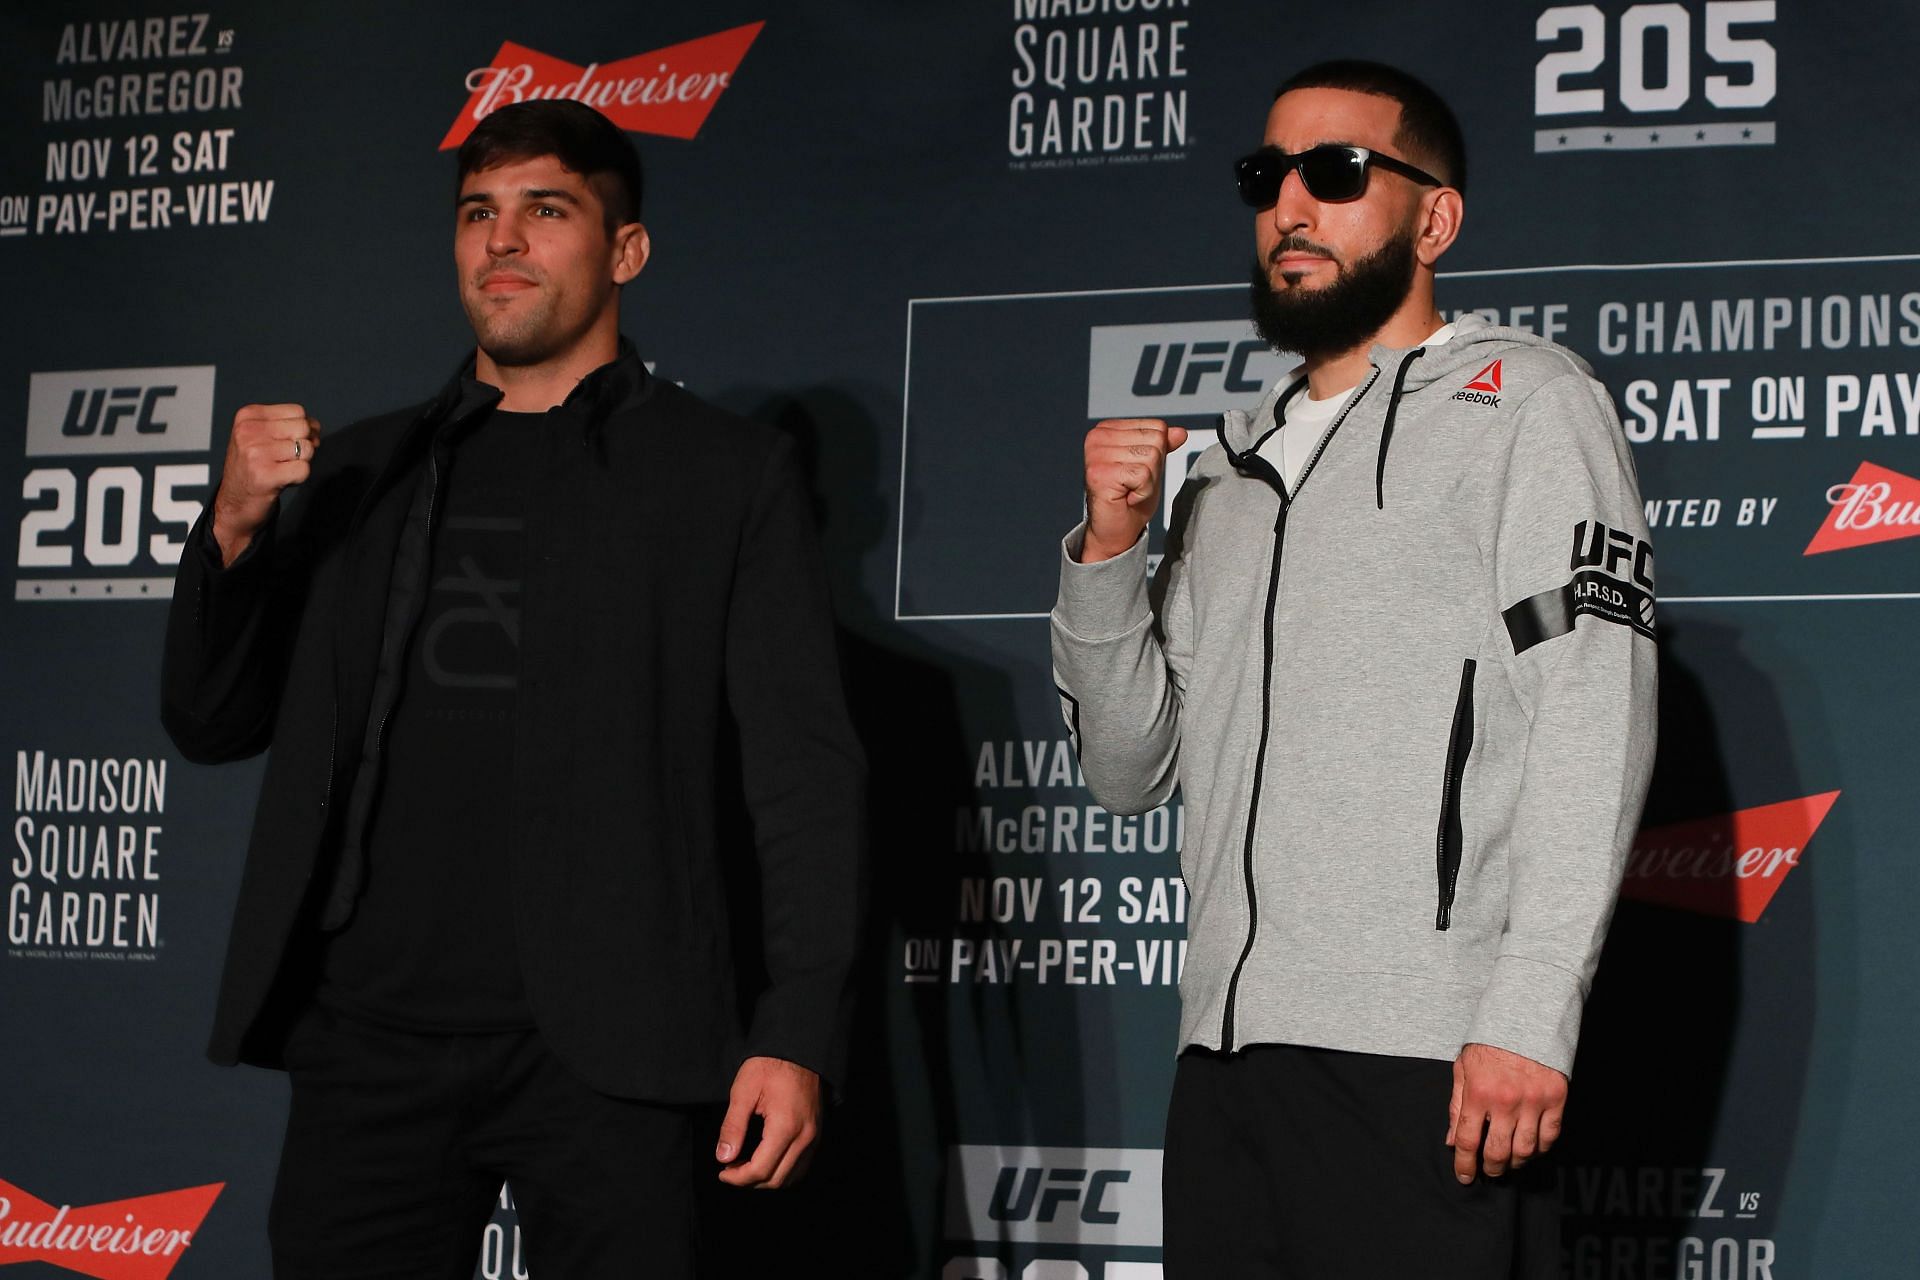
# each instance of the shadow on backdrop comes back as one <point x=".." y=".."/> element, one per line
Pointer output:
<point x="873" y="1203"/>
<point x="1651" y="1093"/>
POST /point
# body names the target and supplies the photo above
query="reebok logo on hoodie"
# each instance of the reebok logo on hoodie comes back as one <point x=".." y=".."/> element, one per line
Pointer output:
<point x="1482" y="387"/>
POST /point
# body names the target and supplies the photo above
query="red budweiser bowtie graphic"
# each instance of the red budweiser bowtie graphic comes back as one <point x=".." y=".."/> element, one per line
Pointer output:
<point x="1488" y="379"/>
<point x="1877" y="505"/>
<point x="1731" y="865"/>
<point x="668" y="91"/>
<point x="138" y="1239"/>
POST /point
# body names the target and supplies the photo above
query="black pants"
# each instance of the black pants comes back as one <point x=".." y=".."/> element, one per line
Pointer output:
<point x="397" y="1145"/>
<point x="1309" y="1164"/>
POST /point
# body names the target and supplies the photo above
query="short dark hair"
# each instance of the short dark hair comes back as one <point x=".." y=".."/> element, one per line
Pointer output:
<point x="1428" y="128"/>
<point x="573" y="133"/>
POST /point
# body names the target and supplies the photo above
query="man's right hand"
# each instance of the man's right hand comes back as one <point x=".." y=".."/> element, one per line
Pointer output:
<point x="1126" y="461"/>
<point x="272" y="446"/>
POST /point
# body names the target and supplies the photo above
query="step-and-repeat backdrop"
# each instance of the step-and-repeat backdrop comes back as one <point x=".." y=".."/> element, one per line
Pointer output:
<point x="935" y="242"/>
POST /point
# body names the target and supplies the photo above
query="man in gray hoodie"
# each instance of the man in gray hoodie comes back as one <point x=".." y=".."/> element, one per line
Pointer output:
<point x="1399" y="659"/>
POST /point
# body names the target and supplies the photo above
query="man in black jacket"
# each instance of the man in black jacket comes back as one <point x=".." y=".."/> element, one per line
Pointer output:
<point x="513" y="652"/>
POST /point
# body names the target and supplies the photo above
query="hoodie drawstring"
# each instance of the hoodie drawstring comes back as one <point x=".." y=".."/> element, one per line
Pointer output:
<point x="1386" y="431"/>
<point x="1250" y="463"/>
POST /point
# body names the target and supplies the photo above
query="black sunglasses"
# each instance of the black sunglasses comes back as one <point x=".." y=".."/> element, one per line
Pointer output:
<point x="1329" y="172"/>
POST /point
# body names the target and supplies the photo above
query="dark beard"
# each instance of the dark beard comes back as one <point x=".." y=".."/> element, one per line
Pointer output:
<point x="1348" y="312"/>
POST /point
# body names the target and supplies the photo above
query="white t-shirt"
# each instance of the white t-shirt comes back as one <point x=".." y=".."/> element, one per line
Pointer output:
<point x="1308" y="419"/>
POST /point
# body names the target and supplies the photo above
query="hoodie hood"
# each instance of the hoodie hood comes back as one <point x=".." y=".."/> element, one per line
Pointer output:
<point x="1412" y="368"/>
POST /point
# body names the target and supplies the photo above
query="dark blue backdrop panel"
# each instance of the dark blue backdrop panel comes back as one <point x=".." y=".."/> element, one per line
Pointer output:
<point x="935" y="243"/>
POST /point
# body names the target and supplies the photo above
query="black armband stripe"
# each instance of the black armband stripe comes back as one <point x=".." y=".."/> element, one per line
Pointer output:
<point x="1551" y="614"/>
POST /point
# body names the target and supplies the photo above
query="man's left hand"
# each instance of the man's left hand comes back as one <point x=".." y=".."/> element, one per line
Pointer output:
<point x="786" y="1097"/>
<point x="1506" y="1109"/>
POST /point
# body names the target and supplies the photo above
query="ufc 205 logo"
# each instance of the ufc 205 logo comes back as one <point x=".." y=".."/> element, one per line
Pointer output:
<point x="111" y="506"/>
<point x="1702" y="58"/>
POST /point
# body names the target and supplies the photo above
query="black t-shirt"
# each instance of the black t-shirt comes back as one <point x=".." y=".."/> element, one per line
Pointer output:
<point x="430" y="946"/>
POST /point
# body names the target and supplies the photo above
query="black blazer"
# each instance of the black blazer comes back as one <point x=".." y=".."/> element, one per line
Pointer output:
<point x="675" y="633"/>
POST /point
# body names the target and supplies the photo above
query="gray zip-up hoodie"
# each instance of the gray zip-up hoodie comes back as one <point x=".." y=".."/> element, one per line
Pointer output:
<point x="1410" y="705"/>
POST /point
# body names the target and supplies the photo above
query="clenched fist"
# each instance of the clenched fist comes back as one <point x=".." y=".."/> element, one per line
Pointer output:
<point x="1126" y="461"/>
<point x="272" y="446"/>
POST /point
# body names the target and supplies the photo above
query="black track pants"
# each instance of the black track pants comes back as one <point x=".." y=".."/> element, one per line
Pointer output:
<point x="1316" y="1165"/>
<point x="397" y="1145"/>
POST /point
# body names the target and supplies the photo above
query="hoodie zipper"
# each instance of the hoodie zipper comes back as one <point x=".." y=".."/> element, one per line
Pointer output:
<point x="1274" y="479"/>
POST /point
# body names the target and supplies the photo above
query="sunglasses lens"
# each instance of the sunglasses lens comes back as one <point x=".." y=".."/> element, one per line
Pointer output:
<point x="1328" y="173"/>
<point x="1333" y="173"/>
<point x="1259" y="176"/>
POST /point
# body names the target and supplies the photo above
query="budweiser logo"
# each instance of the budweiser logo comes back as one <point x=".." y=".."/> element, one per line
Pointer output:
<point x="139" y="1239"/>
<point x="1731" y="865"/>
<point x="1877" y="505"/>
<point x="668" y="91"/>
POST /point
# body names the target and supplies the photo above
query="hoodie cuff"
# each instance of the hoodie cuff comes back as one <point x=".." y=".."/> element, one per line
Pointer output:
<point x="1532" y="1009"/>
<point x="1106" y="600"/>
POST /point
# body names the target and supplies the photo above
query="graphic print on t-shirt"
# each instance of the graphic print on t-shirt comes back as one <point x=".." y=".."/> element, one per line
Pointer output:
<point x="431" y="945"/>
<point x="471" y="639"/>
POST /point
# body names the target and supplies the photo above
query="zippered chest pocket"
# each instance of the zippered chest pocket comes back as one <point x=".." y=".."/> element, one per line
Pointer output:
<point x="1450" y="839"/>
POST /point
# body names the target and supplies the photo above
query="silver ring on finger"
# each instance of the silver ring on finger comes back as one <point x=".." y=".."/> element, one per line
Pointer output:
<point x="296" y="450"/>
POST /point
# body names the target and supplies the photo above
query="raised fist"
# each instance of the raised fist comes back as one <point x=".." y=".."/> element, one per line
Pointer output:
<point x="272" y="446"/>
<point x="1126" y="462"/>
